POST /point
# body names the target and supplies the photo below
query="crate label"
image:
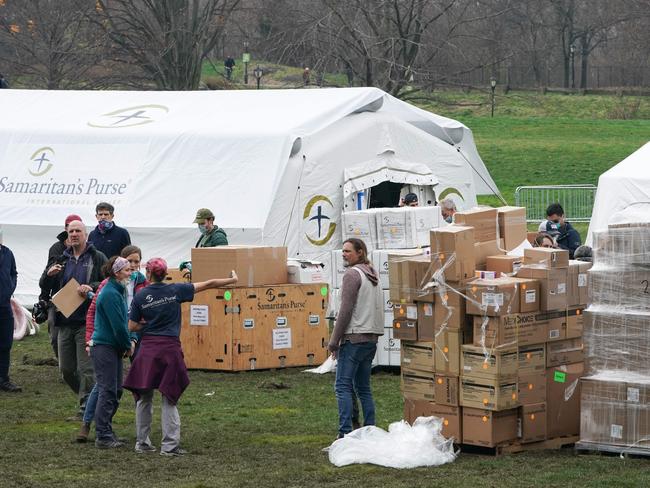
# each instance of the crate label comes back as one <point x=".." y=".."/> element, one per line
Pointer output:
<point x="531" y="296"/>
<point x="411" y="312"/>
<point x="249" y="323"/>
<point x="281" y="338"/>
<point x="617" y="431"/>
<point x="492" y="299"/>
<point x="199" y="315"/>
<point x="561" y="288"/>
<point x="559" y="377"/>
<point x="582" y="279"/>
<point x="633" y="395"/>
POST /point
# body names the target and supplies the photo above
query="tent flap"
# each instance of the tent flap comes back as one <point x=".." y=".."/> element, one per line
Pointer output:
<point x="372" y="173"/>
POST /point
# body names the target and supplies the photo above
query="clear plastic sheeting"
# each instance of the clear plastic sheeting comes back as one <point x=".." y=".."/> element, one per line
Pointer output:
<point x="403" y="446"/>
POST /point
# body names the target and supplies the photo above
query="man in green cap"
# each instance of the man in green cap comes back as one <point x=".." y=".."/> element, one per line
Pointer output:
<point x="211" y="234"/>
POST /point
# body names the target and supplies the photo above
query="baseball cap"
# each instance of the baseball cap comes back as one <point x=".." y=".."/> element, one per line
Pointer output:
<point x="71" y="218"/>
<point x="202" y="214"/>
<point x="410" y="198"/>
<point x="157" y="267"/>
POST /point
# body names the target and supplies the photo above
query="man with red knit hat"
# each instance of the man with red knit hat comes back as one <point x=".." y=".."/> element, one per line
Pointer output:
<point x="53" y="255"/>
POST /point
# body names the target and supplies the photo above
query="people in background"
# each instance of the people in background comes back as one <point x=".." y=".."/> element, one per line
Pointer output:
<point x="156" y="314"/>
<point x="107" y="236"/>
<point x="211" y="234"/>
<point x="448" y="209"/>
<point x="583" y="253"/>
<point x="409" y="200"/>
<point x="83" y="262"/>
<point x="354" y="339"/>
<point x="565" y="236"/>
<point x="229" y="64"/>
<point x="544" y="240"/>
<point x="8" y="277"/>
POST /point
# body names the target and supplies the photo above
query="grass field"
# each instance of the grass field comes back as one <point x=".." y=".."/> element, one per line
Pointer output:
<point x="243" y="431"/>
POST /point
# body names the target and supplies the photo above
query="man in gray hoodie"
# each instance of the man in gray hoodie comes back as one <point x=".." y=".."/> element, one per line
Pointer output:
<point x="354" y="339"/>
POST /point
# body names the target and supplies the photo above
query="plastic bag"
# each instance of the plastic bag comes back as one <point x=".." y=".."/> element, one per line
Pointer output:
<point x="327" y="367"/>
<point x="403" y="446"/>
<point x="23" y="322"/>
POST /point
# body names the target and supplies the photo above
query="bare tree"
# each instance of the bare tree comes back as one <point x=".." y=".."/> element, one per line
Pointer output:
<point x="168" y="40"/>
<point x="49" y="44"/>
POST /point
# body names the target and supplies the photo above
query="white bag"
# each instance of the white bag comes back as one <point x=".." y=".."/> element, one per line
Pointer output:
<point x="327" y="367"/>
<point x="403" y="446"/>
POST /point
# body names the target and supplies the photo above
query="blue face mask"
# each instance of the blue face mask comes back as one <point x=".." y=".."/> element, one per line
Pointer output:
<point x="449" y="219"/>
<point x="105" y="225"/>
<point x="134" y="276"/>
<point x="203" y="229"/>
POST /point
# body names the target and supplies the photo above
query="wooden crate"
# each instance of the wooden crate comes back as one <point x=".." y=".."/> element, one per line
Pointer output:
<point x="256" y="328"/>
<point x="175" y="275"/>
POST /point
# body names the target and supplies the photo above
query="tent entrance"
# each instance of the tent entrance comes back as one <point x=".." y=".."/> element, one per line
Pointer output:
<point x="385" y="194"/>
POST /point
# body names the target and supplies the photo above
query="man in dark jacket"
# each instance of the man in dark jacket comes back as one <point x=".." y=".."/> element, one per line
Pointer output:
<point x="8" y="277"/>
<point x="211" y="234"/>
<point x="54" y="254"/>
<point x="566" y="237"/>
<point x="83" y="263"/>
<point x="108" y="237"/>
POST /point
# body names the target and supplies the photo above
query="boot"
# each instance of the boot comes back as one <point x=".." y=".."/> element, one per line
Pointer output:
<point x="82" y="436"/>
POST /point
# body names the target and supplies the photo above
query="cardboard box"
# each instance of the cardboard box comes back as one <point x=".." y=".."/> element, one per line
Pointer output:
<point x="425" y="321"/>
<point x="564" y="352"/>
<point x="531" y="359"/>
<point x="446" y="390"/>
<point x="450" y="309"/>
<point x="255" y="265"/>
<point x="447" y="352"/>
<point x="547" y="257"/>
<point x="532" y="423"/>
<point x="451" y="416"/>
<point x="604" y="416"/>
<point x="502" y="296"/>
<point x="302" y="271"/>
<point x="487" y="428"/>
<point x="417" y="356"/>
<point x="388" y="349"/>
<point x="552" y="283"/>
<point x="361" y="224"/>
<point x="406" y="227"/>
<point x="532" y="388"/>
<point x="380" y="259"/>
<point x="404" y="311"/>
<point x="407" y="276"/>
<point x="512" y="226"/>
<point x="457" y="241"/>
<point x="405" y="330"/>
<point x="508" y="265"/>
<point x="484" y="221"/>
<point x="417" y="385"/>
<point x="500" y="364"/>
<point x="577" y="295"/>
<point x="484" y="249"/>
<point x="563" y="400"/>
<point x="521" y="329"/>
<point x="556" y="327"/>
<point x="575" y="321"/>
<point x="490" y="394"/>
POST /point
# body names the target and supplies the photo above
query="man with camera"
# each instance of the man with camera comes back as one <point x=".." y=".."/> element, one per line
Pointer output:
<point x="82" y="262"/>
<point x="43" y="310"/>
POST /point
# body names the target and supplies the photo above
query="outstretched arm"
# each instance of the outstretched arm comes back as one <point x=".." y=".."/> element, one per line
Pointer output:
<point x="216" y="283"/>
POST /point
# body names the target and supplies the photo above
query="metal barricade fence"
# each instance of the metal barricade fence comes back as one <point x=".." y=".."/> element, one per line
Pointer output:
<point x="576" y="200"/>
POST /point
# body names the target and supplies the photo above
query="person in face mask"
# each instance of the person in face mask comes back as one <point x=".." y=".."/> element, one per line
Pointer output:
<point x="555" y="225"/>
<point x="107" y="236"/>
<point x="448" y="209"/>
<point x="211" y="234"/>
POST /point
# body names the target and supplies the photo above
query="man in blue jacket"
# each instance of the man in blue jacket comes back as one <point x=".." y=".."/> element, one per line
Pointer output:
<point x="8" y="276"/>
<point x="107" y="237"/>
<point x="566" y="237"/>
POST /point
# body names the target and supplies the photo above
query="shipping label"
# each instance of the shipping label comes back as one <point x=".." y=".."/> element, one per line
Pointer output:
<point x="282" y="338"/>
<point x="492" y="299"/>
<point x="531" y="296"/>
<point x="633" y="395"/>
<point x="199" y="315"/>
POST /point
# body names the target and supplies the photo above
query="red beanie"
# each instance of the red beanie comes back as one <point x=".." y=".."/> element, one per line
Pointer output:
<point x="71" y="218"/>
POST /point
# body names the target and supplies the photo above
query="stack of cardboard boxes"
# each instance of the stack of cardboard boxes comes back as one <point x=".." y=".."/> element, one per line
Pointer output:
<point x="506" y="347"/>
<point x="389" y="233"/>
<point x="616" y="390"/>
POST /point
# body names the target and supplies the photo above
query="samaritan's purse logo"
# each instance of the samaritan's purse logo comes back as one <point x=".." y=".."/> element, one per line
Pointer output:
<point x="314" y="213"/>
<point x="129" y="117"/>
<point x="41" y="161"/>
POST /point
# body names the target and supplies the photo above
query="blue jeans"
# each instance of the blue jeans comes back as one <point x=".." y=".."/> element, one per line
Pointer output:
<point x="353" y="367"/>
<point x="91" y="405"/>
<point x="108" y="372"/>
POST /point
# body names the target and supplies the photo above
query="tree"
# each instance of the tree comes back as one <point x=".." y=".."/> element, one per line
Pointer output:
<point x="168" y="40"/>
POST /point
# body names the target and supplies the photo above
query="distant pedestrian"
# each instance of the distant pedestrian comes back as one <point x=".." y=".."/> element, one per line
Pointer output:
<point x="107" y="237"/>
<point x="211" y="234"/>
<point x="306" y="77"/>
<point x="3" y="81"/>
<point x="229" y="64"/>
<point x="8" y="276"/>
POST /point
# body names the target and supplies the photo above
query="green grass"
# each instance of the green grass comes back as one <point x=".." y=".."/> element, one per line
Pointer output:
<point x="248" y="434"/>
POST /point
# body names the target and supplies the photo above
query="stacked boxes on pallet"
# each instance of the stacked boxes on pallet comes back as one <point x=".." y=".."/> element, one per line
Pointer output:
<point x="507" y="347"/>
<point x="389" y="234"/>
<point x="616" y="390"/>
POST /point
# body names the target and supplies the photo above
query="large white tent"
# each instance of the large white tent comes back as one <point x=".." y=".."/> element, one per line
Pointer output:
<point x="622" y="189"/>
<point x="275" y="166"/>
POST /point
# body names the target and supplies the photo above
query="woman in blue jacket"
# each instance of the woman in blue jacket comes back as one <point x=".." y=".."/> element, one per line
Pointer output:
<point x="111" y="341"/>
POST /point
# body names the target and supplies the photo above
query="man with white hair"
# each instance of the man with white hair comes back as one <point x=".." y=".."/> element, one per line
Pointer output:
<point x="82" y="262"/>
<point x="448" y="208"/>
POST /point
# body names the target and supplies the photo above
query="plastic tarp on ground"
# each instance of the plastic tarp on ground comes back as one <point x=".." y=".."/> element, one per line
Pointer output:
<point x="622" y="187"/>
<point x="269" y="163"/>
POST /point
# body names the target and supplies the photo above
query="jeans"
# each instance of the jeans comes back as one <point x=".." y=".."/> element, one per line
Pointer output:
<point x="354" y="364"/>
<point x="91" y="405"/>
<point x="108" y="371"/>
<point x="6" y="341"/>
<point x="74" y="363"/>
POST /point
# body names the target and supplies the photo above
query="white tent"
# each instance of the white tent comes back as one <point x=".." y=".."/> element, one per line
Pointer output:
<point x="275" y="166"/>
<point x="622" y="188"/>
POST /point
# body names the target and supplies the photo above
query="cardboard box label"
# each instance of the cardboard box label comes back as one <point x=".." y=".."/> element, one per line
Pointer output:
<point x="561" y="288"/>
<point x="199" y="315"/>
<point x="559" y="377"/>
<point x="492" y="299"/>
<point x="428" y="309"/>
<point x="282" y="338"/>
<point x="411" y="312"/>
<point x="617" y="431"/>
<point x="582" y="279"/>
<point x="531" y="296"/>
<point x="633" y="395"/>
<point x="554" y="334"/>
